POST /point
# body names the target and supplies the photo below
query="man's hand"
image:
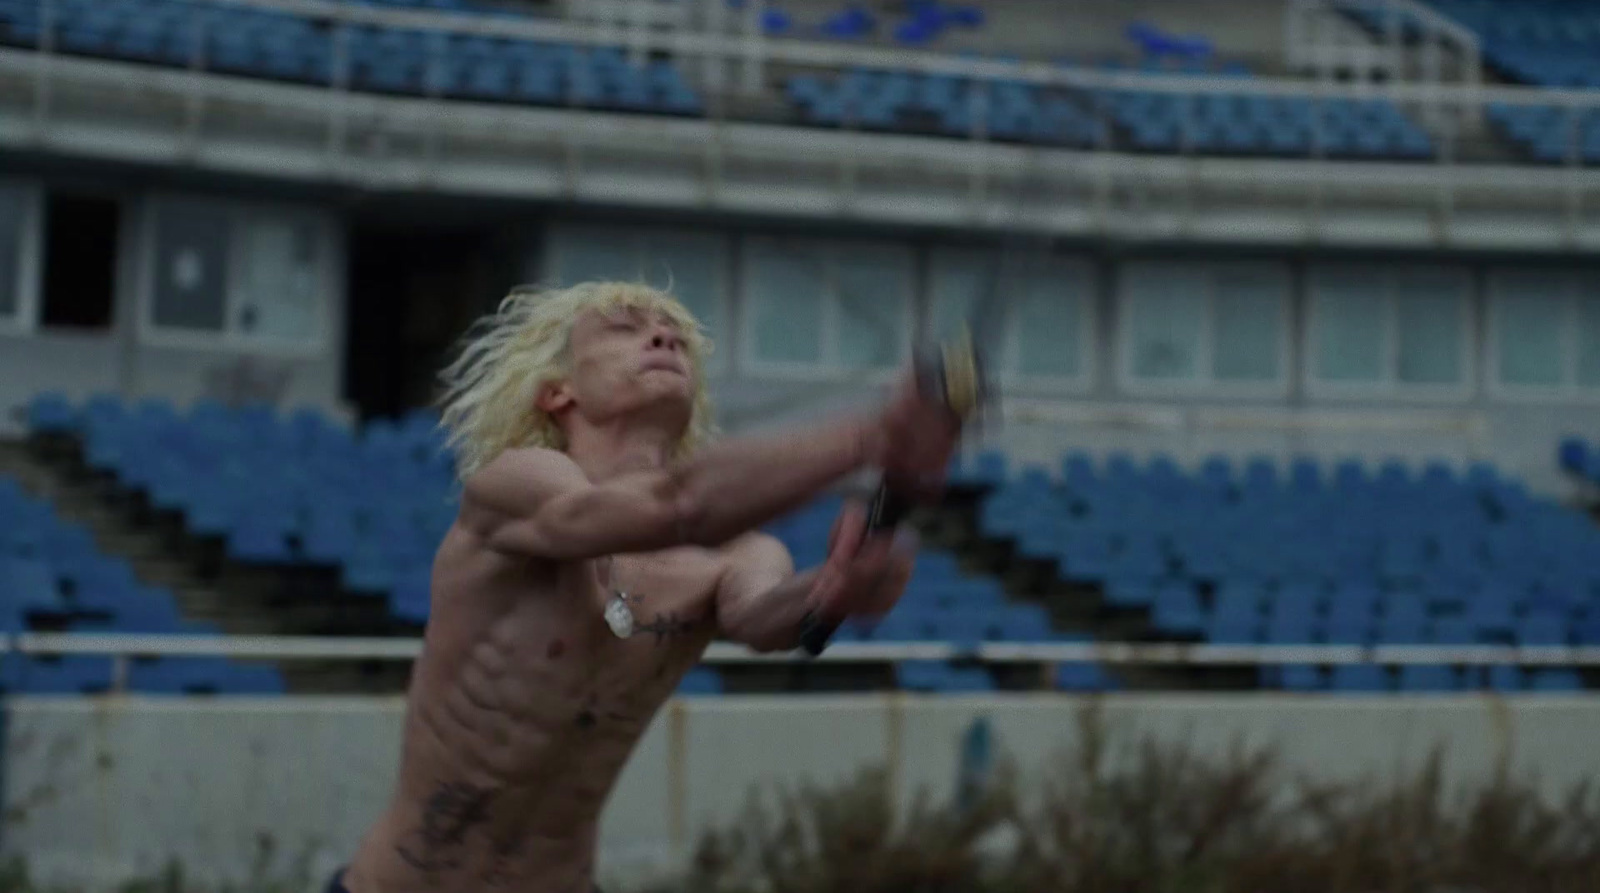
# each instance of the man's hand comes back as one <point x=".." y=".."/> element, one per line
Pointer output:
<point x="920" y="433"/>
<point x="863" y="577"/>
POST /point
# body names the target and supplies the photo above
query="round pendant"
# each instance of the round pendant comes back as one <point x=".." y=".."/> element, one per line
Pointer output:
<point x="620" y="617"/>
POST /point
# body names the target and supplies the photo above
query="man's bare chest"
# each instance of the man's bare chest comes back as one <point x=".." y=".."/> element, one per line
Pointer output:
<point x="662" y="598"/>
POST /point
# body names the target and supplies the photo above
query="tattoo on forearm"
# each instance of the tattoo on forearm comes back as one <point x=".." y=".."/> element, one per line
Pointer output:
<point x="450" y="813"/>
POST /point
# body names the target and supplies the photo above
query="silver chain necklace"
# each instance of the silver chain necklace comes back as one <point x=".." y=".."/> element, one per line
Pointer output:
<point x="619" y="610"/>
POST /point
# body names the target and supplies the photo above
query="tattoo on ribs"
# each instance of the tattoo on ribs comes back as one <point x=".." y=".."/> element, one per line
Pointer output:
<point x="507" y="850"/>
<point x="586" y="717"/>
<point x="668" y="625"/>
<point x="452" y="811"/>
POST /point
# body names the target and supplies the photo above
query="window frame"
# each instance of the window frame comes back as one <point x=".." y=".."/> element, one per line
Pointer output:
<point x="1205" y="382"/>
<point x="1570" y="391"/>
<point x="558" y="234"/>
<point x="1389" y="386"/>
<point x="1007" y="370"/>
<point x="829" y="368"/>
<point x="30" y="261"/>
<point x="241" y="214"/>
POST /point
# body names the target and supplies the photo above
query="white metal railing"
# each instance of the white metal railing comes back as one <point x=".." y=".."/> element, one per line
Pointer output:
<point x="341" y="648"/>
<point x="1315" y="33"/>
<point x="123" y="648"/>
<point x="1320" y="37"/>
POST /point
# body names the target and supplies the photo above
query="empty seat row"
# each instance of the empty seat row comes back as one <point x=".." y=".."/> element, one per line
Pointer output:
<point x="1162" y="122"/>
<point x="297" y="489"/>
<point x="267" y="44"/>
<point x="90" y="674"/>
<point x="1371" y="678"/>
<point x="942" y="677"/>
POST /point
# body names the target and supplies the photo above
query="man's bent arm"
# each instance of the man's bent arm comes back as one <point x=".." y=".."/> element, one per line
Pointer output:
<point x="539" y="503"/>
<point x="761" y="601"/>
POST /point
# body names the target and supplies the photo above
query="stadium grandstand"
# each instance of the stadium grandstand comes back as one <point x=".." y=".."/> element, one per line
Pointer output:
<point x="1294" y="348"/>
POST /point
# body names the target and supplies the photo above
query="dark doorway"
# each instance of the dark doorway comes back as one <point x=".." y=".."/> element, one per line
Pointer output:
<point x="413" y="292"/>
<point x="80" y="260"/>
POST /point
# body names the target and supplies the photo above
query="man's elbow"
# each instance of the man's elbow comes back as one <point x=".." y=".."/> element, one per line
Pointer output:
<point x="765" y="642"/>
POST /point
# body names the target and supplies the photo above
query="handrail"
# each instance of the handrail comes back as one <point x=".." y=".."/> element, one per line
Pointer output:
<point x="797" y="51"/>
<point x="401" y="649"/>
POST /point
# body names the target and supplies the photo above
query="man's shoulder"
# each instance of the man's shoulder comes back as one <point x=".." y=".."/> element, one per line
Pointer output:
<point x="525" y="464"/>
<point x="531" y="457"/>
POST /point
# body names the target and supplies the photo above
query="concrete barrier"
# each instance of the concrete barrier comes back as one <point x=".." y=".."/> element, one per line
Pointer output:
<point x="99" y="790"/>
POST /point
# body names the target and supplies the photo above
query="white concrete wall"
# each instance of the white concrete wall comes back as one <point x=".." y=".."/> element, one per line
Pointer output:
<point x="117" y="360"/>
<point x="104" y="789"/>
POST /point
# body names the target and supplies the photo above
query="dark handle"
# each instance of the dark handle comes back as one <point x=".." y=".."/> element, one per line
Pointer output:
<point x="889" y="507"/>
<point x="955" y="373"/>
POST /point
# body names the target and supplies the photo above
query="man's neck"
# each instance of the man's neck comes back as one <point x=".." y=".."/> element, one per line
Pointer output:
<point x="604" y="454"/>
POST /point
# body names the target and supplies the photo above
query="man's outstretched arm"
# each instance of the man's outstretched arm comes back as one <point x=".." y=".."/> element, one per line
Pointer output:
<point x="538" y="502"/>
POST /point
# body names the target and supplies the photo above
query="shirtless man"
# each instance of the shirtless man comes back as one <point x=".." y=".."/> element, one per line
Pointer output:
<point x="581" y="424"/>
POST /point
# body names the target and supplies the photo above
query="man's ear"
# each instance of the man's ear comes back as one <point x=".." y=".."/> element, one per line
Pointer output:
<point x="554" y="398"/>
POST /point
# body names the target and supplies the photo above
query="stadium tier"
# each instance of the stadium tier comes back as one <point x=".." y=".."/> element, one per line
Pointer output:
<point x="266" y="44"/>
<point x="1224" y="555"/>
<point x="282" y="46"/>
<point x="303" y="491"/>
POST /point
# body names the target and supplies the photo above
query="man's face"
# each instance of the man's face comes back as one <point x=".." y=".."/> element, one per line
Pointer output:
<point x="627" y="360"/>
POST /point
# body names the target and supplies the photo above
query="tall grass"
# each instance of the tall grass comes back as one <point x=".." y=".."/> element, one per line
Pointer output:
<point x="1114" y="814"/>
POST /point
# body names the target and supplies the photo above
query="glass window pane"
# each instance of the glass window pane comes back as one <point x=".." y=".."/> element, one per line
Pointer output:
<point x="958" y="280"/>
<point x="13" y="205"/>
<point x="1588" y="335"/>
<point x="1429" y="327"/>
<point x="690" y="265"/>
<point x="191" y="266"/>
<point x="586" y="254"/>
<point x="1166" y="316"/>
<point x="784" y="293"/>
<point x="1247" y="325"/>
<point x="873" y="286"/>
<point x="1349" y="320"/>
<point x="1049" y="318"/>
<point x="1530" y="309"/>
<point x="281" y="280"/>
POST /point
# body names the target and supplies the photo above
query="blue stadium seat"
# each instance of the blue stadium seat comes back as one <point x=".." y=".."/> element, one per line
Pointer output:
<point x="1083" y="677"/>
<point x="701" y="681"/>
<point x="51" y="413"/>
<point x="1176" y="610"/>
<point x="1555" y="681"/>
<point x="65" y="675"/>
<point x="1424" y="678"/>
<point x="1359" y="678"/>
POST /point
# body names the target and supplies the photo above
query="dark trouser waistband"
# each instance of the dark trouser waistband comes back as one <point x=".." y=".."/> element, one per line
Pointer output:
<point x="336" y="883"/>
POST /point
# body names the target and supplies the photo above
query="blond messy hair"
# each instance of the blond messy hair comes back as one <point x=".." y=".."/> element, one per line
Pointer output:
<point x="489" y="391"/>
